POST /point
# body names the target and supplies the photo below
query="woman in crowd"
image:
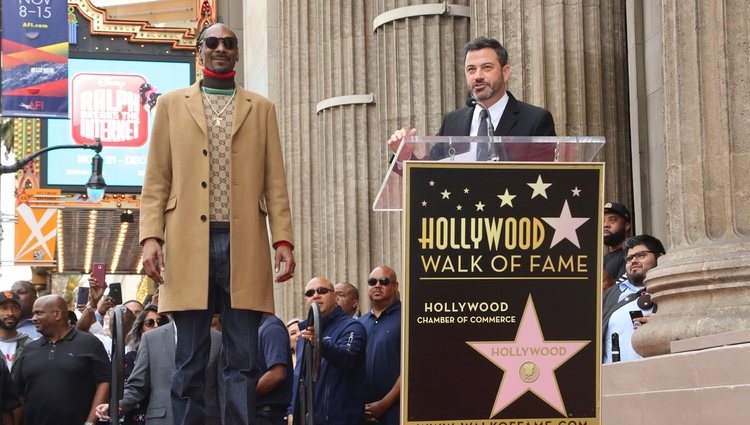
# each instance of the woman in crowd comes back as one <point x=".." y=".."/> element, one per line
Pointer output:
<point x="293" y="327"/>
<point x="148" y="320"/>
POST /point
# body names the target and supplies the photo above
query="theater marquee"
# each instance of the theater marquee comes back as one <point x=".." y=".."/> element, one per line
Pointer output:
<point x="502" y="293"/>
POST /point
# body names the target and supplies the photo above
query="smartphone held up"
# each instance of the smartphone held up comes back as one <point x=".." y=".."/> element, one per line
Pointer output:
<point x="98" y="272"/>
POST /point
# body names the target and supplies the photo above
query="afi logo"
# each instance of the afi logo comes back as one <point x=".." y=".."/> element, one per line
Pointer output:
<point x="36" y="105"/>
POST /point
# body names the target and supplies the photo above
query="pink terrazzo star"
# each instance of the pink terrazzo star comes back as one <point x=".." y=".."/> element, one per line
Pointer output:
<point x="529" y="363"/>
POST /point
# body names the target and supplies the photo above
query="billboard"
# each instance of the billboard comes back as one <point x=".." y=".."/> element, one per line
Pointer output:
<point x="112" y="99"/>
<point x="34" y="58"/>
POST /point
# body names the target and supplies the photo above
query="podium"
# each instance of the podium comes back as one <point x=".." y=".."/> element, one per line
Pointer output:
<point x="460" y="149"/>
<point x="501" y="289"/>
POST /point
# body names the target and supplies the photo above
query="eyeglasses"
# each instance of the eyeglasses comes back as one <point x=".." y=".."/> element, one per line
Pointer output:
<point x="213" y="42"/>
<point x="322" y="291"/>
<point x="153" y="323"/>
<point x="640" y="255"/>
<point x="384" y="281"/>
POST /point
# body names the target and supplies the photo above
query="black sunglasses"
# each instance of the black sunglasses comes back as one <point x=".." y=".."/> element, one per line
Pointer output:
<point x="383" y="281"/>
<point x="322" y="291"/>
<point x="150" y="323"/>
<point x="213" y="42"/>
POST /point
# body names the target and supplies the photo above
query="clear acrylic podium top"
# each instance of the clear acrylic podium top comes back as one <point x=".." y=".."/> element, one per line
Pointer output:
<point x="465" y="149"/>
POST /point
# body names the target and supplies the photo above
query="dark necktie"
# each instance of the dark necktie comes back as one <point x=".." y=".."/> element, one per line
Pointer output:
<point x="484" y="147"/>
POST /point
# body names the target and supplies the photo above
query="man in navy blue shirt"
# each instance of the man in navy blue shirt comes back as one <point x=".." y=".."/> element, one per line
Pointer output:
<point x="383" y="325"/>
<point x="274" y="389"/>
<point x="340" y="390"/>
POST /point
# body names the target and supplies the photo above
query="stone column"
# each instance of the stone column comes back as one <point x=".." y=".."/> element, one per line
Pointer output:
<point x="335" y="153"/>
<point x="349" y="160"/>
<point x="570" y="58"/>
<point x="702" y="285"/>
<point x="419" y="68"/>
<point x="297" y="93"/>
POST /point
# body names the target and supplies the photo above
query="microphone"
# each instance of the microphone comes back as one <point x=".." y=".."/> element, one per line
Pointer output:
<point x="615" y="347"/>
<point x="471" y="102"/>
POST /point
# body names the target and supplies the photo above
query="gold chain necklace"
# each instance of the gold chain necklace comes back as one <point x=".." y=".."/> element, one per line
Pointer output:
<point x="217" y="114"/>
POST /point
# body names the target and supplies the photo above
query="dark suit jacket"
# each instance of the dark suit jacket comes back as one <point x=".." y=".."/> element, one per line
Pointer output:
<point x="151" y="378"/>
<point x="519" y="119"/>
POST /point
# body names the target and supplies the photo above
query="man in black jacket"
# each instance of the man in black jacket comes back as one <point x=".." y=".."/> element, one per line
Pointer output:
<point x="487" y="73"/>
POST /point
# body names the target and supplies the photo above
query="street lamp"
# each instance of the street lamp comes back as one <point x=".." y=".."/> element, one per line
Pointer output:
<point x="95" y="186"/>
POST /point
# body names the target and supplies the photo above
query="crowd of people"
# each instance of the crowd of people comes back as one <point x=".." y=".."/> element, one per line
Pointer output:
<point x="62" y="376"/>
<point x="59" y="370"/>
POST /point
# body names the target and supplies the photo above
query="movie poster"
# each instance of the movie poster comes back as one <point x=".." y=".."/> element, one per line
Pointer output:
<point x="502" y="295"/>
<point x="114" y="100"/>
<point x="35" y="58"/>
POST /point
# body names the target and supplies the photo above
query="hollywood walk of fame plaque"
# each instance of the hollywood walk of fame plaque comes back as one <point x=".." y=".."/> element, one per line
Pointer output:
<point x="502" y="293"/>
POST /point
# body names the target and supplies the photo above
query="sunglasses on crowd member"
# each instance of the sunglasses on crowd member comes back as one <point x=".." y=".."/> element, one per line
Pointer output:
<point x="640" y="255"/>
<point x="384" y="281"/>
<point x="213" y="42"/>
<point x="322" y="291"/>
<point x="155" y="323"/>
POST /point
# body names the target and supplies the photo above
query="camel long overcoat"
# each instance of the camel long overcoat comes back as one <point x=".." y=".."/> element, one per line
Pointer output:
<point x="175" y="201"/>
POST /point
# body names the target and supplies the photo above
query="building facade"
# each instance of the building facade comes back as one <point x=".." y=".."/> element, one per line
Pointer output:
<point x="664" y="81"/>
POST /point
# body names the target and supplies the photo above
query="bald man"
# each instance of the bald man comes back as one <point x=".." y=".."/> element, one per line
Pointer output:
<point x="64" y="374"/>
<point x="383" y="325"/>
<point x="342" y="367"/>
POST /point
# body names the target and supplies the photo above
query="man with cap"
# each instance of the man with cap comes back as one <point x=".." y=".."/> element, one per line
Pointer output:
<point x="616" y="229"/>
<point x="12" y="341"/>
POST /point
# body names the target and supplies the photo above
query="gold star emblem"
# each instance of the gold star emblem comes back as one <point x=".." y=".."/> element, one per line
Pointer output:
<point x="432" y="182"/>
<point x="466" y="190"/>
<point x="424" y="203"/>
<point x="506" y="199"/>
<point x="480" y="206"/>
<point x="540" y="187"/>
<point x="459" y="207"/>
<point x="446" y="194"/>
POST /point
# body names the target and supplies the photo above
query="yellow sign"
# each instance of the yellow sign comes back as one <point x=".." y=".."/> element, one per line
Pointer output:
<point x="36" y="231"/>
